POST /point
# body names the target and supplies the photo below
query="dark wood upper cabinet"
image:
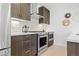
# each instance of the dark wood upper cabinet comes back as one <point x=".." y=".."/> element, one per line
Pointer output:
<point x="25" y="11"/>
<point x="21" y="11"/>
<point x="15" y="10"/>
<point x="46" y="13"/>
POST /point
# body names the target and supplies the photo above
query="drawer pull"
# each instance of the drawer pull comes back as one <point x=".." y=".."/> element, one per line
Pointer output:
<point x="27" y="51"/>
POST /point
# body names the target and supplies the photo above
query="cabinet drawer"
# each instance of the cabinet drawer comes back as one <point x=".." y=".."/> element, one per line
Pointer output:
<point x="27" y="37"/>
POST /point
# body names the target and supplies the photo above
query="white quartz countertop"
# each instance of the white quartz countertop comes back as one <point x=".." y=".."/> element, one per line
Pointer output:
<point x="20" y="33"/>
<point x="73" y="38"/>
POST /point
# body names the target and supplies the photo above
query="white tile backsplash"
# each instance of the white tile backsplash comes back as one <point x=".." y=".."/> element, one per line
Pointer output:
<point x="16" y="26"/>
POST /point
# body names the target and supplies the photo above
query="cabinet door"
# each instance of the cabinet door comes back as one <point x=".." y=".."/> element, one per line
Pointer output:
<point x="25" y="11"/>
<point x="30" y="45"/>
<point x="13" y="46"/>
<point x="15" y="10"/>
<point x="47" y="16"/>
<point x="46" y="13"/>
<point x="41" y="20"/>
<point x="34" y="45"/>
<point x="16" y="45"/>
<point x="77" y="49"/>
<point x="27" y="45"/>
<point x="71" y="49"/>
<point x="20" y="45"/>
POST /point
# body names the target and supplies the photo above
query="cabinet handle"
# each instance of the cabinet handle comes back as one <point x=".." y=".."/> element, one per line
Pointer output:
<point x="27" y="51"/>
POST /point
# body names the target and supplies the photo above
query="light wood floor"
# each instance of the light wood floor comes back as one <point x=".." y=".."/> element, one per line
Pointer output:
<point x="55" y="51"/>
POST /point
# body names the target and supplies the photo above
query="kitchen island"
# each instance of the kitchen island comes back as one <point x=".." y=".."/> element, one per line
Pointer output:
<point x="73" y="45"/>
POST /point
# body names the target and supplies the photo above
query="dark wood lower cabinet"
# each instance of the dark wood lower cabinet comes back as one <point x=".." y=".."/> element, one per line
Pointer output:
<point x="24" y="45"/>
<point x="50" y="43"/>
<point x="72" y="49"/>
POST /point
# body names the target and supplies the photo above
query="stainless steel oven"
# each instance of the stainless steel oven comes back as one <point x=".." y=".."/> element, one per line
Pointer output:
<point x="42" y="43"/>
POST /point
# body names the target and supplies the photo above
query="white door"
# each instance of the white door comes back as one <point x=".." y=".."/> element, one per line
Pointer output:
<point x="0" y="25"/>
<point x="4" y="26"/>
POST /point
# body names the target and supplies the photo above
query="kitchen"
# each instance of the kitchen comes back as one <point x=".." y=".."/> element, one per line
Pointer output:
<point x="35" y="28"/>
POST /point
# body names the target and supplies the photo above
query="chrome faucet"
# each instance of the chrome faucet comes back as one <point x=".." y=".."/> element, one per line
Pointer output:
<point x="25" y="28"/>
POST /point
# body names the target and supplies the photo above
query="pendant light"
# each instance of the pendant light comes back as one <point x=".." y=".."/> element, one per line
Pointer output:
<point x="66" y="21"/>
